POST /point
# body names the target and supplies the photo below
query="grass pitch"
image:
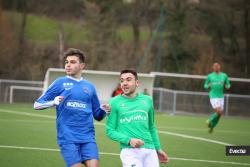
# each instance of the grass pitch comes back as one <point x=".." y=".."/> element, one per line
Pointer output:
<point x="28" y="139"/>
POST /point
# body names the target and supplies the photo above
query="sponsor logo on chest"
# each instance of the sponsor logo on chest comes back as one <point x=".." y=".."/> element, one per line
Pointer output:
<point x="68" y="85"/>
<point x="76" y="105"/>
<point x="133" y="118"/>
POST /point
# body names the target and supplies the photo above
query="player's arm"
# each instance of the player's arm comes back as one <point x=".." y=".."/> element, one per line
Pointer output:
<point x="207" y="83"/>
<point x="97" y="110"/>
<point x="106" y="108"/>
<point x="152" y="129"/>
<point x="41" y="104"/>
<point x="111" y="127"/>
<point x="163" y="157"/>
<point x="227" y="83"/>
<point x="50" y="98"/>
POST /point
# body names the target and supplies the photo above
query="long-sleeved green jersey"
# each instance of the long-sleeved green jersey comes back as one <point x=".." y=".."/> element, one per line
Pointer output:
<point x="217" y="83"/>
<point x="132" y="118"/>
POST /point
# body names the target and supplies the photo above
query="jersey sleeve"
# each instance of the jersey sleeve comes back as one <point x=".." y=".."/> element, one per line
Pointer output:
<point x="112" y="124"/>
<point x="152" y="128"/>
<point x="47" y="99"/>
<point x="227" y="82"/>
<point x="207" y="81"/>
<point x="98" y="112"/>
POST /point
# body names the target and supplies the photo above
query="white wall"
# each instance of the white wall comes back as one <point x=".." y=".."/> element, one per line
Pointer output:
<point x="104" y="81"/>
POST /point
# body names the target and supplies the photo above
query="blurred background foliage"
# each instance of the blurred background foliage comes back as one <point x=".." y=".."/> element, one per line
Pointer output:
<point x="183" y="36"/>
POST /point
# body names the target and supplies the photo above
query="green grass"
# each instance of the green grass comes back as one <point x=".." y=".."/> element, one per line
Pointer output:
<point x="30" y="131"/>
<point x="45" y="30"/>
<point x="126" y="34"/>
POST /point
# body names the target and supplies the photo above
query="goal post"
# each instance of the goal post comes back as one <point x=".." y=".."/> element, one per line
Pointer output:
<point x="104" y="81"/>
<point x="23" y="93"/>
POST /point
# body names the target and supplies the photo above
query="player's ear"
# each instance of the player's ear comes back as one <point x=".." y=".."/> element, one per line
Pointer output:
<point x="82" y="65"/>
<point x="137" y="83"/>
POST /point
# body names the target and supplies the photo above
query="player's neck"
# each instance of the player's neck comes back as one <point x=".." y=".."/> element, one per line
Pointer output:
<point x="76" y="76"/>
<point x="217" y="72"/>
<point x="130" y="95"/>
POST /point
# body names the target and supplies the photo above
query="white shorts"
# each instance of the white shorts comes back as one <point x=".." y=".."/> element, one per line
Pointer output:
<point x="217" y="103"/>
<point x="139" y="157"/>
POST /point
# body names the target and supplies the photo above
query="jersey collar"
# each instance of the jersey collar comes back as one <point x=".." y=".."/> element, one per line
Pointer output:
<point x="78" y="80"/>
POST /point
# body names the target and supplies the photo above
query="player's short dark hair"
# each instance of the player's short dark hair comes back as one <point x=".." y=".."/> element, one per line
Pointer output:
<point x="216" y="61"/>
<point x="75" y="52"/>
<point x="132" y="71"/>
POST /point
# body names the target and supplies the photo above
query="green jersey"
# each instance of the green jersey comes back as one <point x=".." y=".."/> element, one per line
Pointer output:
<point x="132" y="118"/>
<point x="217" y="83"/>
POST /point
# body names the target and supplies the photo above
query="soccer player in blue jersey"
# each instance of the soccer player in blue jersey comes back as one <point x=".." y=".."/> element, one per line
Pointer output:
<point x="76" y="105"/>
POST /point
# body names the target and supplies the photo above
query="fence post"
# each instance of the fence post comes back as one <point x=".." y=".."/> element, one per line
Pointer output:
<point x="11" y="95"/>
<point x="174" y="103"/>
<point x="1" y="94"/>
<point x="226" y="106"/>
<point x="160" y="101"/>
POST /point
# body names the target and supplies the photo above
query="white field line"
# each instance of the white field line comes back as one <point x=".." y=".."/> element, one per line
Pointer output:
<point x="102" y="124"/>
<point x="116" y="154"/>
<point x="27" y="114"/>
<point x="210" y="161"/>
<point x="200" y="129"/>
<point x="27" y="121"/>
<point x="185" y="136"/>
<point x="195" y="138"/>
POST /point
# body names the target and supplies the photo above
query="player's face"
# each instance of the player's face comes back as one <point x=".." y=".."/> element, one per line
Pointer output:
<point x="216" y="67"/>
<point x="128" y="83"/>
<point x="73" y="66"/>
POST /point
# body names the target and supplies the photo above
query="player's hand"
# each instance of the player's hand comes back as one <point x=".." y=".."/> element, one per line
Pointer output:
<point x="162" y="156"/>
<point x="106" y="107"/>
<point x="136" y="143"/>
<point x="58" y="100"/>
<point x="209" y="85"/>
<point x="227" y="87"/>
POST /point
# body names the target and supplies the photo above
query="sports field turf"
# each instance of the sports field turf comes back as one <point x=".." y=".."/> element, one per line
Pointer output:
<point x="28" y="139"/>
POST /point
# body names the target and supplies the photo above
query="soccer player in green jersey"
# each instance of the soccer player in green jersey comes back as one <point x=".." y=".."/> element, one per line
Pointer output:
<point x="131" y="123"/>
<point x="216" y="82"/>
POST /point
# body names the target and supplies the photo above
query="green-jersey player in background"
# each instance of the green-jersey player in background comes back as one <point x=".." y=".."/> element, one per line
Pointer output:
<point x="131" y="123"/>
<point x="216" y="82"/>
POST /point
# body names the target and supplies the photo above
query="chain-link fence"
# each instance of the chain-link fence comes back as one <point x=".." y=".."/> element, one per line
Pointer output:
<point x="188" y="102"/>
<point x="165" y="100"/>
